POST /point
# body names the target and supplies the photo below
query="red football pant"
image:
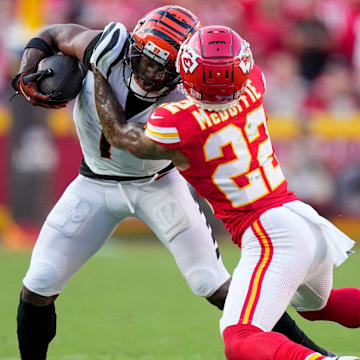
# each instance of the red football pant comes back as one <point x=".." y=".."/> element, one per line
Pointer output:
<point x="342" y="307"/>
<point x="247" y="342"/>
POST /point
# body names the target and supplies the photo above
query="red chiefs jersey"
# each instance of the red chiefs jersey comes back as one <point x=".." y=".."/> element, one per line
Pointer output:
<point x="232" y="161"/>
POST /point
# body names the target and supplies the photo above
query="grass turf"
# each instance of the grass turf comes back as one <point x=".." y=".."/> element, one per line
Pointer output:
<point x="130" y="302"/>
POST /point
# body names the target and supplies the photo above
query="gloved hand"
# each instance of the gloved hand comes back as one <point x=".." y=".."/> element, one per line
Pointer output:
<point x="26" y="85"/>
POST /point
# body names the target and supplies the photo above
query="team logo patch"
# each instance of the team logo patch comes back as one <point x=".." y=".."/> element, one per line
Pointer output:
<point x="246" y="58"/>
<point x="188" y="59"/>
<point x="151" y="49"/>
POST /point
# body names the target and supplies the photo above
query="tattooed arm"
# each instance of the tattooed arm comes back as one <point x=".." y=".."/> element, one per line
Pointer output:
<point x="120" y="133"/>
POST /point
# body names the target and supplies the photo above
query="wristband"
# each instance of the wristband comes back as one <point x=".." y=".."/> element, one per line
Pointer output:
<point x="40" y="44"/>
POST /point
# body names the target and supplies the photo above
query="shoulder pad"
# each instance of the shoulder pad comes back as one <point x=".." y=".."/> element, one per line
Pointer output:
<point x="258" y="79"/>
<point x="109" y="47"/>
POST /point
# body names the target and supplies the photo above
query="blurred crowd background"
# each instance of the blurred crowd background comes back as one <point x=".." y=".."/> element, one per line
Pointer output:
<point x="309" y="51"/>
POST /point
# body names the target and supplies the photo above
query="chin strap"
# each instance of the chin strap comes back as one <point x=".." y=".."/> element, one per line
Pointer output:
<point x="142" y="94"/>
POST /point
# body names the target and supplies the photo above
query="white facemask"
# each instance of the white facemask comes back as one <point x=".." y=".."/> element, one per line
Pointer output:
<point x="140" y="93"/>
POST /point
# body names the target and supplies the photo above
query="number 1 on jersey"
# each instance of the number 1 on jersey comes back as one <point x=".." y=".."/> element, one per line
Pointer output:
<point x="105" y="147"/>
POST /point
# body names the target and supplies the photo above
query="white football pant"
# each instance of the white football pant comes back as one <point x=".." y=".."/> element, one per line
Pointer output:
<point x="89" y="211"/>
<point x="287" y="258"/>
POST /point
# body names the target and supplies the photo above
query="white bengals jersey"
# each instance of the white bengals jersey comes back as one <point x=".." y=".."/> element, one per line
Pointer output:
<point x="114" y="161"/>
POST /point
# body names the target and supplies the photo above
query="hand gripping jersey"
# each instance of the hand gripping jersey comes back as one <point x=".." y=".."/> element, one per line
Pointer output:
<point x="232" y="161"/>
<point x="100" y="157"/>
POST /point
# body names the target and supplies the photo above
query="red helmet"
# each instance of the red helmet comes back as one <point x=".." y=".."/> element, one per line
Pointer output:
<point x="215" y="64"/>
<point x="158" y="36"/>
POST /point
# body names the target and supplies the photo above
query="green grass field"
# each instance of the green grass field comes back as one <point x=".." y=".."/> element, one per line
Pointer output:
<point x="130" y="302"/>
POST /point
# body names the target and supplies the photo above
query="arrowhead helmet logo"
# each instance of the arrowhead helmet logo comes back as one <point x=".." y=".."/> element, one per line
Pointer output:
<point x="188" y="59"/>
<point x="246" y="58"/>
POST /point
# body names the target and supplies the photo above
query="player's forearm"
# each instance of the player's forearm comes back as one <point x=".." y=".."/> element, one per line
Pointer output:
<point x="30" y="60"/>
<point x="118" y="132"/>
<point x="112" y="117"/>
<point x="32" y="56"/>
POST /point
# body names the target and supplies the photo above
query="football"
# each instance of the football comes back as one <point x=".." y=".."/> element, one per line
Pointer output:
<point x="66" y="78"/>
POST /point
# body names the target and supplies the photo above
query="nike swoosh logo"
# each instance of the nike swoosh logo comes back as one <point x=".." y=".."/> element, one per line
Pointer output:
<point x="153" y="116"/>
<point x="27" y="97"/>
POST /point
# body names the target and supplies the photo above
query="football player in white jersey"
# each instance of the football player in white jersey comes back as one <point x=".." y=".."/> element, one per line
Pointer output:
<point x="113" y="184"/>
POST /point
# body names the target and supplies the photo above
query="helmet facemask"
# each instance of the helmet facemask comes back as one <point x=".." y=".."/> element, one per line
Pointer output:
<point x="153" y="48"/>
<point x="215" y="65"/>
<point x="151" y="75"/>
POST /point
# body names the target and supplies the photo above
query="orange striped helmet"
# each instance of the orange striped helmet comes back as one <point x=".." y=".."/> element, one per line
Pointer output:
<point x="154" y="45"/>
<point x="160" y="32"/>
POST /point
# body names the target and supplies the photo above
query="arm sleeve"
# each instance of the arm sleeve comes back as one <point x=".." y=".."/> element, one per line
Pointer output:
<point x="161" y="127"/>
<point x="110" y="48"/>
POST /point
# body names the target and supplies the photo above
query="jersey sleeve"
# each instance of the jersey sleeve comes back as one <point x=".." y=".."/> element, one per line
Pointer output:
<point x="161" y="127"/>
<point x="109" y="48"/>
<point x="258" y="78"/>
<point x="89" y="50"/>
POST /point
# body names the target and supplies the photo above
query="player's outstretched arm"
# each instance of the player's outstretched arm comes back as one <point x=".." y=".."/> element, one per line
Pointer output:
<point x="120" y="133"/>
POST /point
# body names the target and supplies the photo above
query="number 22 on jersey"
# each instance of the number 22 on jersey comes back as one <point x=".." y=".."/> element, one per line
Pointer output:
<point x="262" y="179"/>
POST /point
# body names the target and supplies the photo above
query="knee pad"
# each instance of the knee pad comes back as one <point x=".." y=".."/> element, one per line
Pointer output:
<point x="202" y="281"/>
<point x="42" y="278"/>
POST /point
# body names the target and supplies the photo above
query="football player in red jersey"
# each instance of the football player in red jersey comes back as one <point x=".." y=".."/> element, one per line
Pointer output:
<point x="112" y="184"/>
<point x="218" y="140"/>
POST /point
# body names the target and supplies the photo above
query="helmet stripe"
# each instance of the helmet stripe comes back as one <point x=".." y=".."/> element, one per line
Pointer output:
<point x="163" y="36"/>
<point x="174" y="19"/>
<point x="186" y="13"/>
<point x="170" y="27"/>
